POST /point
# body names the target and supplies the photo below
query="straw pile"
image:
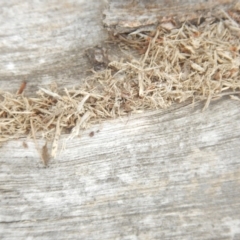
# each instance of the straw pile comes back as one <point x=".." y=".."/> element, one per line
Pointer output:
<point x="191" y="62"/>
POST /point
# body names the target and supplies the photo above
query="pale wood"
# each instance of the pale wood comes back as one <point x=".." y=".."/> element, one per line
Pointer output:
<point x="125" y="16"/>
<point x="160" y="175"/>
<point x="45" y="41"/>
<point x="164" y="174"/>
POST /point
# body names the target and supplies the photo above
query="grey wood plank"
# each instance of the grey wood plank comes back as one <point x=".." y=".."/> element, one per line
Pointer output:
<point x="171" y="174"/>
<point x="42" y="41"/>
<point x="125" y="16"/>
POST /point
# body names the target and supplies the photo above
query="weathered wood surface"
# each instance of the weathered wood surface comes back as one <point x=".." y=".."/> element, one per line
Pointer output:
<point x="172" y="174"/>
<point x="123" y="16"/>
<point x="160" y="175"/>
<point x="44" y="41"/>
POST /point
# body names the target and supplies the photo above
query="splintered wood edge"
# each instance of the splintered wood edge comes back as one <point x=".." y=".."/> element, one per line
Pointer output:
<point x="123" y="18"/>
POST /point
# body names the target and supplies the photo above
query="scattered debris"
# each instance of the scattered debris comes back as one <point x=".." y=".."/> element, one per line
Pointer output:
<point x="235" y="98"/>
<point x="22" y="87"/>
<point x="25" y="144"/>
<point x="45" y="155"/>
<point x="91" y="134"/>
<point x="198" y="62"/>
<point x="98" y="57"/>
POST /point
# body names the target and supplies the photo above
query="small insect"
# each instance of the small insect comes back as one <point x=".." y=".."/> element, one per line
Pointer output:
<point x="91" y="134"/>
<point x="22" y="87"/>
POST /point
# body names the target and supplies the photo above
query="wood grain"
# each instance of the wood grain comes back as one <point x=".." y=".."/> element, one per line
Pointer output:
<point x="42" y="42"/>
<point x="126" y="16"/>
<point x="164" y="174"/>
<point x="159" y="175"/>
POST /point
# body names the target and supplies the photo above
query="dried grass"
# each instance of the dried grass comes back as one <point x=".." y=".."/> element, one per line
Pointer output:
<point x="175" y="65"/>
